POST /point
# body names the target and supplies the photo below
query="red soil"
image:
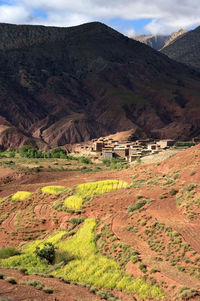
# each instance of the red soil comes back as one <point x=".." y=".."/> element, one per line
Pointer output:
<point x="111" y="207"/>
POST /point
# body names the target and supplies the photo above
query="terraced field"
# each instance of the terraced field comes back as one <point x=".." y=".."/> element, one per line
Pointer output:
<point x="126" y="237"/>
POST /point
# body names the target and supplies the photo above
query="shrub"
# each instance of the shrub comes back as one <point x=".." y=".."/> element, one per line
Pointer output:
<point x="138" y="160"/>
<point x="184" y="144"/>
<point x="135" y="259"/>
<point x="11" y="280"/>
<point x="8" y="252"/>
<point x="46" y="252"/>
<point x="136" y="206"/>
<point x="190" y="187"/>
<point x="58" y="153"/>
<point x="11" y="153"/>
<point x="172" y="192"/>
<point x="27" y="151"/>
<point x="84" y="160"/>
<point x="48" y="290"/>
<point x="143" y="267"/>
<point x="77" y="221"/>
<point x="37" y="169"/>
<point x="35" y="283"/>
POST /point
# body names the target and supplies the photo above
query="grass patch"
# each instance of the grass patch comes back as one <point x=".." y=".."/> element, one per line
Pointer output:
<point x="74" y="202"/>
<point x="92" y="267"/>
<point x="88" y="190"/>
<point x="53" y="189"/>
<point x="101" y="187"/>
<point x="87" y="265"/>
<point x="21" y="195"/>
<point x="8" y="252"/>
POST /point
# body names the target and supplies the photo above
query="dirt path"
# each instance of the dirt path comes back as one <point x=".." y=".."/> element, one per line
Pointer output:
<point x="61" y="290"/>
<point x="8" y="224"/>
<point x="42" y="211"/>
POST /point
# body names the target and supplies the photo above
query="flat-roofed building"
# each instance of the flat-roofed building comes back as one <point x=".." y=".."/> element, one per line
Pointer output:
<point x="121" y="152"/>
<point x="165" y="143"/>
<point x="98" y="146"/>
<point x="108" y="154"/>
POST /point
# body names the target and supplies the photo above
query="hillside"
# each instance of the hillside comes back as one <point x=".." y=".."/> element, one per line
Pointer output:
<point x="155" y="41"/>
<point x="174" y="36"/>
<point x="65" y="85"/>
<point x="159" y="42"/>
<point x="186" y="49"/>
<point x="130" y="234"/>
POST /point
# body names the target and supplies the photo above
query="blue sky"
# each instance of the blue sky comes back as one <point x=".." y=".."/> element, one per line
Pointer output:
<point x="128" y="16"/>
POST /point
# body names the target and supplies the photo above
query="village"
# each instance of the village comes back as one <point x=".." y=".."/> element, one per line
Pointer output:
<point x="108" y="148"/>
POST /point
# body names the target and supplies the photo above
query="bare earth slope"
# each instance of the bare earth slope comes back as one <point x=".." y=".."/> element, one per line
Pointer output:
<point x="66" y="85"/>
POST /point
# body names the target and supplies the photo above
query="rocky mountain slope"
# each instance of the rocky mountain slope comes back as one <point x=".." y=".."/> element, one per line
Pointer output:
<point x="155" y="41"/>
<point x="186" y="49"/>
<point x="174" y="36"/>
<point x="66" y="85"/>
<point x="159" y="41"/>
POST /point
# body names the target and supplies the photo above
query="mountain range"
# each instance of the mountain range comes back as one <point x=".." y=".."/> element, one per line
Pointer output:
<point x="159" y="41"/>
<point x="60" y="86"/>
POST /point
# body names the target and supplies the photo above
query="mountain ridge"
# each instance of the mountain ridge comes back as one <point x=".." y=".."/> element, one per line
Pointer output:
<point x="91" y="82"/>
<point x="186" y="49"/>
<point x="159" y="42"/>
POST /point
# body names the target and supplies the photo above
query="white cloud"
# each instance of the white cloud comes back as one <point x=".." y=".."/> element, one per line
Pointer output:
<point x="14" y="14"/>
<point x="167" y="16"/>
<point x="130" y="32"/>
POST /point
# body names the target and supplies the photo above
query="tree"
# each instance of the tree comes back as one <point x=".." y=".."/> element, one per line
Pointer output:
<point x="47" y="251"/>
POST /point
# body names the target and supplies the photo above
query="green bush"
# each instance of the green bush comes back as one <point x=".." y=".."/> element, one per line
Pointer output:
<point x="84" y="160"/>
<point x="113" y="163"/>
<point x="27" y="151"/>
<point x="136" y="206"/>
<point x="8" y="252"/>
<point x="77" y="221"/>
<point x="46" y="252"/>
<point x="143" y="267"/>
<point x="11" y="280"/>
<point x="35" y="283"/>
<point x="58" y="153"/>
<point x="184" y="144"/>
<point x="173" y="192"/>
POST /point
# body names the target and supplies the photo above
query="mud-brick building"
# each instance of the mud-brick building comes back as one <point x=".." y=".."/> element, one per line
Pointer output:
<point x="98" y="146"/>
<point x="152" y="146"/>
<point x="165" y="143"/>
<point x="121" y="152"/>
<point x="108" y="154"/>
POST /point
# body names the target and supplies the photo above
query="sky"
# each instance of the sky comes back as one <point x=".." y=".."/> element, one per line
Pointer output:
<point x="129" y="17"/>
